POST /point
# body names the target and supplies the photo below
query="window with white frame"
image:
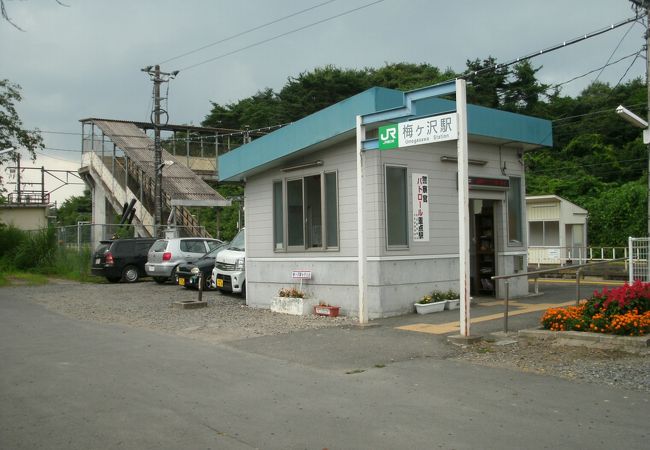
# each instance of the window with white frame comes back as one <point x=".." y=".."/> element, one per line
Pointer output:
<point x="396" y="207"/>
<point x="515" y="228"/>
<point x="305" y="213"/>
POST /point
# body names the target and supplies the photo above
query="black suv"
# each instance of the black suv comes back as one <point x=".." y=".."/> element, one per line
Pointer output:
<point x="121" y="259"/>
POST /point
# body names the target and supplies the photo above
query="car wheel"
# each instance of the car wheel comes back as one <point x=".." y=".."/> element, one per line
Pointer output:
<point x="160" y="280"/>
<point x="130" y="274"/>
<point x="243" y="290"/>
<point x="113" y="279"/>
<point x="206" y="283"/>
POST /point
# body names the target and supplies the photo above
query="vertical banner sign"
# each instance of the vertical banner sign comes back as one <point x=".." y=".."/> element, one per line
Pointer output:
<point x="420" y="193"/>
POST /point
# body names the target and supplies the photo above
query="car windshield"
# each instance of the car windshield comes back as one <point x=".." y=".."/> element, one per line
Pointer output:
<point x="159" y="246"/>
<point x="238" y="242"/>
<point x="213" y="253"/>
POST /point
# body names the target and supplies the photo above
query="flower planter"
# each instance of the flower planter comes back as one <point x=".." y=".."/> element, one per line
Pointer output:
<point x="331" y="311"/>
<point x="293" y="305"/>
<point x="427" y="308"/>
<point x="453" y="304"/>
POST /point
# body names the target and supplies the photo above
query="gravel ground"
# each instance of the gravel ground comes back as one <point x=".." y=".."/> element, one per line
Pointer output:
<point x="587" y="365"/>
<point x="149" y="305"/>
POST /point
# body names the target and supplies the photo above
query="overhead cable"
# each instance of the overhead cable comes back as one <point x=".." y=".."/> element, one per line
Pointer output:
<point x="250" y="30"/>
<point x="552" y="48"/>
<point x="327" y="19"/>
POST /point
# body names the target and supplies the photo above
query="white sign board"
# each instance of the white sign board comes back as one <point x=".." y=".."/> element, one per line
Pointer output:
<point x="420" y="206"/>
<point x="421" y="131"/>
<point x="301" y="274"/>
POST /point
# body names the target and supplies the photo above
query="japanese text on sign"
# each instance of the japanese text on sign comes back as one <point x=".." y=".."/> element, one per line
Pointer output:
<point x="422" y="131"/>
<point x="420" y="199"/>
<point x="301" y="274"/>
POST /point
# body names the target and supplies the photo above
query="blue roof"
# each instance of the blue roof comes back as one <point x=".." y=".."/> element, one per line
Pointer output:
<point x="340" y="118"/>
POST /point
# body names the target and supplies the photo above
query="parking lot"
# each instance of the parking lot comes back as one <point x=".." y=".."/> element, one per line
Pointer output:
<point x="148" y="305"/>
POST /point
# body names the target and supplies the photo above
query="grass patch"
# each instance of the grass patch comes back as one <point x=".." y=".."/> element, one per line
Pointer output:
<point x="22" y="279"/>
<point x="28" y="258"/>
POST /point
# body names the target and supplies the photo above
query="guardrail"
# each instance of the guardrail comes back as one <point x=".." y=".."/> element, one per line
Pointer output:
<point x="545" y="254"/>
<point x="577" y="267"/>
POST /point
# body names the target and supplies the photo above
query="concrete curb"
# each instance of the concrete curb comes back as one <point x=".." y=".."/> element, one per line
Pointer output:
<point x="628" y="344"/>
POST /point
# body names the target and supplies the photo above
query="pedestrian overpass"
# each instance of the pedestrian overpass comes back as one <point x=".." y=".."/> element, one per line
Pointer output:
<point x="117" y="163"/>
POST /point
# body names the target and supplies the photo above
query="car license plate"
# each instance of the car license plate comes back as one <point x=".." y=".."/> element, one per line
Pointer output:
<point x="219" y="282"/>
<point x="181" y="281"/>
<point x="152" y="268"/>
<point x="98" y="260"/>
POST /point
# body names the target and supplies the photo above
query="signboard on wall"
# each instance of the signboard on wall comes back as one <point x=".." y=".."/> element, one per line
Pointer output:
<point x="420" y="207"/>
<point x="301" y="274"/>
<point x="416" y="132"/>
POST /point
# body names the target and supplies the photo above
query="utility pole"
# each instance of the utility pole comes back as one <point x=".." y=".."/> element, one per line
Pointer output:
<point x="18" y="176"/>
<point x="157" y="154"/>
<point x="158" y="78"/>
<point x="646" y="4"/>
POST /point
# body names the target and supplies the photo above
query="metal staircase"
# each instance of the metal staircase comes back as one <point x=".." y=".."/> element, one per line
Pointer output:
<point x="117" y="158"/>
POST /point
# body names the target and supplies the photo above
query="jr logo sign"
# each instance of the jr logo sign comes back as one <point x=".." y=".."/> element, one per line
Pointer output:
<point x="388" y="137"/>
<point x="427" y="130"/>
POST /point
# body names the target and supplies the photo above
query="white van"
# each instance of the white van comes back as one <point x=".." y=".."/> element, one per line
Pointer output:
<point x="229" y="273"/>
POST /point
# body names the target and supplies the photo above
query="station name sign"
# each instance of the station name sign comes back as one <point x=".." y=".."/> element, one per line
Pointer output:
<point x="417" y="132"/>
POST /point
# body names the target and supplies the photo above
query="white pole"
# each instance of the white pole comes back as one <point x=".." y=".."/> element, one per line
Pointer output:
<point x="363" y="282"/>
<point x="463" y="207"/>
<point x="630" y="277"/>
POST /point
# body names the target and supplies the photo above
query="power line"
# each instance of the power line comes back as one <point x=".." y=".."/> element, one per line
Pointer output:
<point x="602" y="111"/>
<point x="336" y="16"/>
<point x="259" y="27"/>
<point x="625" y="73"/>
<point x="615" y="49"/>
<point x="595" y="70"/>
<point x="552" y="48"/>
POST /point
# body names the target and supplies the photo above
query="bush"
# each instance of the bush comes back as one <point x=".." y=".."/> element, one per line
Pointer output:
<point x="438" y="296"/>
<point x="291" y="292"/>
<point x="37" y="251"/>
<point x="624" y="311"/>
<point x="10" y="239"/>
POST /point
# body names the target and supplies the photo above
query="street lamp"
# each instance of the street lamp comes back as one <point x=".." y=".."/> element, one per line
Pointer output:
<point x="7" y="150"/>
<point x="631" y="118"/>
<point x="164" y="164"/>
<point x="638" y="122"/>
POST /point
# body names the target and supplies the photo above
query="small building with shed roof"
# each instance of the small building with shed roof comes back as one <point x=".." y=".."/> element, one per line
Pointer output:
<point x="557" y="230"/>
<point x="301" y="206"/>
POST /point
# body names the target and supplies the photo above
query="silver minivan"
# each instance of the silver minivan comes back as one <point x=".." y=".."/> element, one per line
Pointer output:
<point x="166" y="254"/>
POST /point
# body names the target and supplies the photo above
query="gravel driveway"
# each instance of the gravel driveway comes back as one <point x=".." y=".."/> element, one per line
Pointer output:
<point x="149" y="305"/>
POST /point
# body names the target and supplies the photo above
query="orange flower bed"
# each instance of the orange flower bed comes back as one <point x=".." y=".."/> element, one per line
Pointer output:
<point x="623" y="311"/>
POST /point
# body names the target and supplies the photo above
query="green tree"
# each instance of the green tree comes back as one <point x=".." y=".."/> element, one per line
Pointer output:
<point x="312" y="91"/>
<point x="486" y="82"/>
<point x="75" y="209"/>
<point x="12" y="132"/>
<point x="617" y="213"/>
<point x="523" y="92"/>
<point x="408" y="76"/>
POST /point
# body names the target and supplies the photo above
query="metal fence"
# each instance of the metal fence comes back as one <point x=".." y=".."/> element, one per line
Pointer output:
<point x="638" y="259"/>
<point x="543" y="255"/>
<point x="87" y="235"/>
<point x="578" y="268"/>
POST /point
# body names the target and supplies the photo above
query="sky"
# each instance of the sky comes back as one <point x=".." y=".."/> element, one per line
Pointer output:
<point x="84" y="59"/>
